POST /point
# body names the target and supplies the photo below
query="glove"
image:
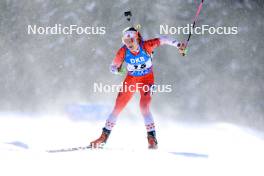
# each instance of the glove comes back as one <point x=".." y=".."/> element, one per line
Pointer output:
<point x="113" y="69"/>
<point x="117" y="71"/>
<point x="182" y="48"/>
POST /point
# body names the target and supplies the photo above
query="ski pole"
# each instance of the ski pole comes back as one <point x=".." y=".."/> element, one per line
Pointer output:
<point x="193" y="25"/>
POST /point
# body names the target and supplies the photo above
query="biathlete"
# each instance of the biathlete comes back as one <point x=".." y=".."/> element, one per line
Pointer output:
<point x="137" y="54"/>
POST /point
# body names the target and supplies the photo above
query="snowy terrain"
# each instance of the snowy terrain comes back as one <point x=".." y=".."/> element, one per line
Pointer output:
<point x="219" y="80"/>
<point x="184" y="149"/>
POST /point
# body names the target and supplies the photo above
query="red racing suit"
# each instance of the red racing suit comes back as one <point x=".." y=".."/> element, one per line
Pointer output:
<point x="145" y="80"/>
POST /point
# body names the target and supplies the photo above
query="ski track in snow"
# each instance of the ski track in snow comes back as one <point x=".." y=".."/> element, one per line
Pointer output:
<point x="216" y="149"/>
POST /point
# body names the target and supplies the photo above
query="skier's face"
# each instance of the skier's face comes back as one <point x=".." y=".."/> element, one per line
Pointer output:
<point x="130" y="40"/>
<point x="131" y="43"/>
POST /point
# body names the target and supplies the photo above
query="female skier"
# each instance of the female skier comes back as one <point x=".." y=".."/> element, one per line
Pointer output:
<point x="137" y="54"/>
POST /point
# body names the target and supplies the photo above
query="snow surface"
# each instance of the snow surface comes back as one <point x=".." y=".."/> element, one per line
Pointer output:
<point x="184" y="149"/>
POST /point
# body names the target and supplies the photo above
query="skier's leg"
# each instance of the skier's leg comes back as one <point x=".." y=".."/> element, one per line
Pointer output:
<point x="122" y="99"/>
<point x="145" y="100"/>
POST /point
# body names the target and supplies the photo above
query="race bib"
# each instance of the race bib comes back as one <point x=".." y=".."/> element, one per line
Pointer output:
<point x="139" y="67"/>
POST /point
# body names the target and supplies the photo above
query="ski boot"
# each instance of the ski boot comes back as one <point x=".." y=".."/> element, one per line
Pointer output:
<point x="101" y="141"/>
<point x="152" y="141"/>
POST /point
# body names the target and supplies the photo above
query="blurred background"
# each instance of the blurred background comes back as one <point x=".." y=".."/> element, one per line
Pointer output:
<point x="220" y="80"/>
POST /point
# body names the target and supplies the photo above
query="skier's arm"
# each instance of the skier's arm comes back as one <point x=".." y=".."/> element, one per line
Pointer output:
<point x="180" y="45"/>
<point x="118" y="61"/>
<point x="150" y="45"/>
<point x="168" y="41"/>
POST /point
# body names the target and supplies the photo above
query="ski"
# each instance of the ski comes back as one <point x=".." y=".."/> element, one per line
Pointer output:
<point x="71" y="149"/>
